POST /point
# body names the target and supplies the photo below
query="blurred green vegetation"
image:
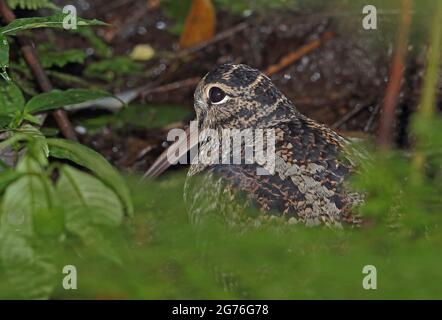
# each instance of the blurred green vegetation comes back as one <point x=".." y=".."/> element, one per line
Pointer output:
<point x="108" y="69"/>
<point x="158" y="254"/>
<point x="138" y="116"/>
<point x="35" y="208"/>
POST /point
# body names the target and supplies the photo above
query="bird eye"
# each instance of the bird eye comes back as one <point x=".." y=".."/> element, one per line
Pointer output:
<point x="217" y="95"/>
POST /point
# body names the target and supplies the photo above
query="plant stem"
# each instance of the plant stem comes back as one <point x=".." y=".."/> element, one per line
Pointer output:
<point x="430" y="85"/>
<point x="385" y="134"/>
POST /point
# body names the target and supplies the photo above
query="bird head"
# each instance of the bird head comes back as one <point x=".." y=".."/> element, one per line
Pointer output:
<point x="233" y="96"/>
<point x="238" y="96"/>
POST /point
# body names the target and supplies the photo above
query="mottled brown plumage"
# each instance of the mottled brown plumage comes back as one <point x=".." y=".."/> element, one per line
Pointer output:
<point x="312" y="161"/>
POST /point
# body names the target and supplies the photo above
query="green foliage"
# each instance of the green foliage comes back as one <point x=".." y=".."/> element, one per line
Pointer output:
<point x="48" y="207"/>
<point x="139" y="116"/>
<point x="40" y="148"/>
<point x="4" y="56"/>
<point x="30" y="4"/>
<point x="395" y="198"/>
<point x="54" y="21"/>
<point x="164" y="257"/>
<point x="177" y="10"/>
<point x="18" y="210"/>
<point x="89" y="204"/>
<point x="14" y="110"/>
<point x="109" y="69"/>
<point x="160" y="255"/>
<point x="50" y="58"/>
<point x="28" y="271"/>
<point x="11" y="99"/>
<point x="100" y="47"/>
<point x="57" y="99"/>
<point x="65" y="149"/>
<point x="39" y="217"/>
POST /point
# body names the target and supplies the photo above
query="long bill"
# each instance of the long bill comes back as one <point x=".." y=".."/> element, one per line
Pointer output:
<point x="179" y="148"/>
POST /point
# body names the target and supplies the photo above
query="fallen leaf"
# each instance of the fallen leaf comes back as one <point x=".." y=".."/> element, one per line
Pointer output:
<point x="200" y="24"/>
<point x="142" y="52"/>
<point x="153" y="4"/>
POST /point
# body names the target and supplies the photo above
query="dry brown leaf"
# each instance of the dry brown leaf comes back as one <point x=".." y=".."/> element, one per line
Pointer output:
<point x="200" y="24"/>
<point x="153" y="4"/>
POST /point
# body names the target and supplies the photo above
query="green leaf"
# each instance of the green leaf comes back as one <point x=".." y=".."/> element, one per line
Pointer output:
<point x="101" y="48"/>
<point x="24" y="197"/>
<point x="54" y="21"/>
<point x="5" y="121"/>
<point x="139" y="116"/>
<point x="26" y="133"/>
<point x="89" y="206"/>
<point x="38" y="146"/>
<point x="31" y="4"/>
<point x="58" y="99"/>
<point x="30" y="118"/>
<point x="39" y="150"/>
<point x="7" y="177"/>
<point x="30" y="273"/>
<point x="11" y="99"/>
<point x="49" y="57"/>
<point x="78" y="190"/>
<point x="4" y="56"/>
<point x="16" y="137"/>
<point x="95" y="162"/>
<point x="49" y="223"/>
<point x="108" y="69"/>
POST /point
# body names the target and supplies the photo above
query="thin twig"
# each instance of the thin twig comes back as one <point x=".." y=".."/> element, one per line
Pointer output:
<point x="373" y="115"/>
<point x="218" y="37"/>
<point x="31" y="58"/>
<point x="385" y="134"/>
<point x="292" y="57"/>
<point x="349" y="115"/>
<point x="171" y="86"/>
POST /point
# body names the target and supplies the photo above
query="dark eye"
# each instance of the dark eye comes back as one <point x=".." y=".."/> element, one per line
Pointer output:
<point x="217" y="95"/>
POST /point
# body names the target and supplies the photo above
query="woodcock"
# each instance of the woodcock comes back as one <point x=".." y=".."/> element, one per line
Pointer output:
<point x="308" y="184"/>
